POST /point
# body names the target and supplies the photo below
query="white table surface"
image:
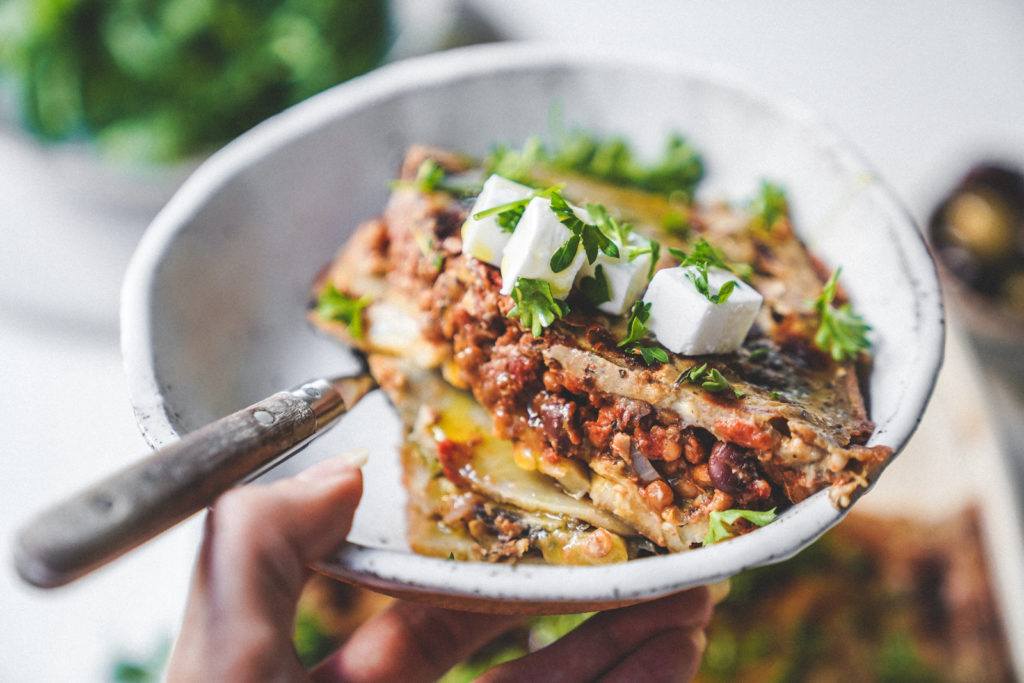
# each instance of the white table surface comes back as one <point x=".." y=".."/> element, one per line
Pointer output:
<point x="922" y="88"/>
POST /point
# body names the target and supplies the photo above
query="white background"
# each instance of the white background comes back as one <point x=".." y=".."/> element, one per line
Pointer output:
<point x="923" y="88"/>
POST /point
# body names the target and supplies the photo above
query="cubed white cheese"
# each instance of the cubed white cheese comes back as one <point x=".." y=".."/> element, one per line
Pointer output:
<point x="626" y="279"/>
<point x="484" y="239"/>
<point x="684" y="321"/>
<point x="528" y="252"/>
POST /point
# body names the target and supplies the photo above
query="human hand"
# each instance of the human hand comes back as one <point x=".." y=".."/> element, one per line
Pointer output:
<point x="252" y="565"/>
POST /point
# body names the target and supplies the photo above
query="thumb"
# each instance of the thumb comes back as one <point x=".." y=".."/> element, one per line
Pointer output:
<point x="257" y="544"/>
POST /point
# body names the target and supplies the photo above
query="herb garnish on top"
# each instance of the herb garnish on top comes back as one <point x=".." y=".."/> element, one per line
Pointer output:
<point x="841" y="332"/>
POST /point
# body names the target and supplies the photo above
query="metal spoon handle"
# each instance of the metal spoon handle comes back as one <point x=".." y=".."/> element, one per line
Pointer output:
<point x="141" y="501"/>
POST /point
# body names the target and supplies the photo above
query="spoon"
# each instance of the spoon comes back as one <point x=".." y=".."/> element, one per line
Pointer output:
<point x="106" y="520"/>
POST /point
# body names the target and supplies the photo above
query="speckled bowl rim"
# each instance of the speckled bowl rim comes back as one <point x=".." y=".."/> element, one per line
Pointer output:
<point x="637" y="580"/>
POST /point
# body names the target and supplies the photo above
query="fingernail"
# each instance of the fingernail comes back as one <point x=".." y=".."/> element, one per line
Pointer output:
<point x="700" y="640"/>
<point x="339" y="464"/>
<point x="719" y="591"/>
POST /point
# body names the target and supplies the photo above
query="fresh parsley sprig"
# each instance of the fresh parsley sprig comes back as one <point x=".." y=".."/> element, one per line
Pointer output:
<point x="333" y="304"/>
<point x="617" y="231"/>
<point x="635" y="340"/>
<point x="841" y="333"/>
<point x="721" y="521"/>
<point x="535" y="307"/>
<point x="610" y="159"/>
<point x="768" y="206"/>
<point x="431" y="177"/>
<point x="651" y="354"/>
<point x="653" y="248"/>
<point x="589" y="235"/>
<point x="636" y="325"/>
<point x="701" y="259"/>
<point x="709" y="379"/>
<point x="508" y="214"/>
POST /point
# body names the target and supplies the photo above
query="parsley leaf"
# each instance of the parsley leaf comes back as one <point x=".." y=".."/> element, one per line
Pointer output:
<point x="509" y="214"/>
<point x="651" y="354"/>
<point x="428" y="176"/>
<point x="635" y="340"/>
<point x="517" y="205"/>
<point x="508" y="220"/>
<point x="591" y="236"/>
<point x="335" y="305"/>
<point x="769" y="206"/>
<point x="636" y="327"/>
<point x="841" y="332"/>
<point x="595" y="289"/>
<point x="616" y="231"/>
<point x="431" y="177"/>
<point x="611" y="159"/>
<point x="709" y="379"/>
<point x="701" y="259"/>
<point x="720" y="521"/>
<point x="564" y="255"/>
<point x="535" y="307"/>
<point x="653" y="248"/>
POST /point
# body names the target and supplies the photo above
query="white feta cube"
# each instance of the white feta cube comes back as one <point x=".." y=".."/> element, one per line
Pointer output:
<point x="626" y="279"/>
<point x="684" y="321"/>
<point x="484" y="239"/>
<point x="528" y="253"/>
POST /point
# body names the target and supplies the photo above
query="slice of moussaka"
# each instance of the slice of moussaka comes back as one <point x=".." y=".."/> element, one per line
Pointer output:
<point x="589" y="364"/>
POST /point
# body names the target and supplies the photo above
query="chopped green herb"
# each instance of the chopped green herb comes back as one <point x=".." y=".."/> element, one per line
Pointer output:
<point x="720" y="522"/>
<point x="635" y="340"/>
<point x="709" y="379"/>
<point x="841" y="332"/>
<point x="651" y="354"/>
<point x="517" y="205"/>
<point x="535" y="307"/>
<point x="701" y="259"/>
<point x="677" y="172"/>
<point x="769" y="206"/>
<point x="616" y="231"/>
<point x="589" y="235"/>
<point x="508" y="220"/>
<point x="335" y="305"/>
<point x="775" y="395"/>
<point x="430" y="177"/>
<point x="595" y="289"/>
<point x="564" y="255"/>
<point x="509" y="214"/>
<point x="653" y="248"/>
<point x="636" y="326"/>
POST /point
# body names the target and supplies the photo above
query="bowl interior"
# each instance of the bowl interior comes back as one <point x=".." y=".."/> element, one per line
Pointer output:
<point x="215" y="300"/>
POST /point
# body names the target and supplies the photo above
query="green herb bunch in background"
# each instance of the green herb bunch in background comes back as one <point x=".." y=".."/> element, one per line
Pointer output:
<point x="160" y="80"/>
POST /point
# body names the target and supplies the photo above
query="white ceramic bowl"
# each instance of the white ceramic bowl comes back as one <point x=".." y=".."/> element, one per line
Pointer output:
<point x="214" y="301"/>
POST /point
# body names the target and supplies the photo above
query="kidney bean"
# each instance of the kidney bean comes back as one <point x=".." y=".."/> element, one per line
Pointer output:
<point x="734" y="471"/>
